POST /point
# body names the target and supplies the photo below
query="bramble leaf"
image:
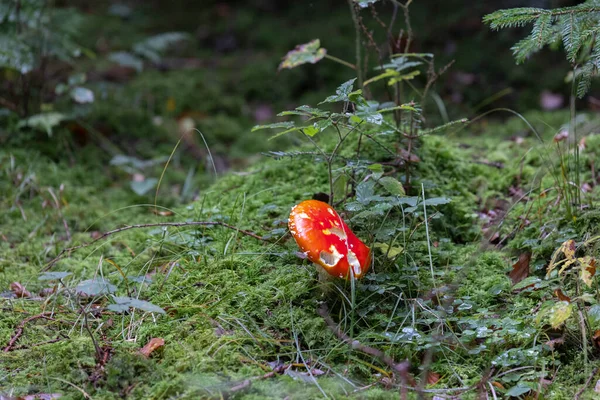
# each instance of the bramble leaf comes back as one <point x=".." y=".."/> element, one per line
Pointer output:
<point x="310" y="52"/>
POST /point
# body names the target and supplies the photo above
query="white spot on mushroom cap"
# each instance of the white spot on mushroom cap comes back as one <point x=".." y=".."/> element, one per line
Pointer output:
<point x="330" y="211"/>
<point x="353" y="260"/>
<point x="331" y="258"/>
<point x="303" y="215"/>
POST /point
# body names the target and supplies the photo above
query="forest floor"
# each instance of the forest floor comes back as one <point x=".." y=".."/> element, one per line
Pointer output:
<point x="135" y="265"/>
<point x="457" y="303"/>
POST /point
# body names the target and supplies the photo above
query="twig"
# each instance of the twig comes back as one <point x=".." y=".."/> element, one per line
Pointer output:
<point x="398" y="368"/>
<point x="25" y="346"/>
<point x="21" y="328"/>
<point x="587" y="383"/>
<point x="138" y="226"/>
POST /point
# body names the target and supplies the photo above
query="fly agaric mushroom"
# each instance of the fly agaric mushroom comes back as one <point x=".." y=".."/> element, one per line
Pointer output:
<point x="326" y="239"/>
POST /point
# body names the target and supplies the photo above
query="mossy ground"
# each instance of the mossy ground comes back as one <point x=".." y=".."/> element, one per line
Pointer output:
<point x="237" y="307"/>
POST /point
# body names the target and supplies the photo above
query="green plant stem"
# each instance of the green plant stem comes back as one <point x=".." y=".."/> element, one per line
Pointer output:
<point x="357" y="43"/>
<point x="340" y="61"/>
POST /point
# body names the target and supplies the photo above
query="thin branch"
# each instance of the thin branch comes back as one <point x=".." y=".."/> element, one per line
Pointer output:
<point x="21" y="328"/>
<point x="398" y="368"/>
<point x="138" y="226"/>
<point x="587" y="383"/>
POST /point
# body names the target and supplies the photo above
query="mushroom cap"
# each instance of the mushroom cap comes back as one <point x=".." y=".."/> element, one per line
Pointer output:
<point x="326" y="239"/>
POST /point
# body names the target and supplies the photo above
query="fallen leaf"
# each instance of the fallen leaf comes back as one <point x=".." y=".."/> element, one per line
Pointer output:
<point x="520" y="269"/>
<point x="561" y="296"/>
<point x="164" y="213"/>
<point x="498" y="385"/>
<point x="555" y="342"/>
<point x="587" y="269"/>
<point x="19" y="290"/>
<point x="153" y="344"/>
<point x="596" y="338"/>
<point x="432" y="378"/>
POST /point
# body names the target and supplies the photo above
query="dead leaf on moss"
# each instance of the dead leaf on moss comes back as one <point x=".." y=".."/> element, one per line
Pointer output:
<point x="152" y="345"/>
<point x="561" y="296"/>
<point x="520" y="269"/>
<point x="433" y="378"/>
<point x="19" y="290"/>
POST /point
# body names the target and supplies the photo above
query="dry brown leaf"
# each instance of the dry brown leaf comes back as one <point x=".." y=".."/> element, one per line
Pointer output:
<point x="163" y="213"/>
<point x="520" y="269"/>
<point x="153" y="344"/>
<point x="19" y="290"/>
<point x="433" y="378"/>
<point x="498" y="385"/>
<point x="561" y="296"/>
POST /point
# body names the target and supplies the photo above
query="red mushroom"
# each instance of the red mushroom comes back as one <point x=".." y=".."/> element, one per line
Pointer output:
<point x="326" y="239"/>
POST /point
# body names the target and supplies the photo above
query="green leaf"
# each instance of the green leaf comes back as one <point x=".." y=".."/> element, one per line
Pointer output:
<point x="518" y="390"/>
<point x="44" y="122"/>
<point x="152" y="47"/>
<point x="365" y="191"/>
<point x="365" y="3"/>
<point x="15" y="54"/>
<point x="392" y="252"/>
<point x="286" y="125"/>
<point x="126" y="59"/>
<point x="142" y="187"/>
<point x="436" y="201"/>
<point x="403" y="77"/>
<point x="94" y="287"/>
<point x="317" y="127"/>
<point x="367" y="112"/>
<point x="122" y="304"/>
<point x="310" y="52"/>
<point x="306" y="111"/>
<point x="341" y="93"/>
<point x="559" y="313"/>
<point x="52" y="276"/>
<point x="392" y="185"/>
<point x="594" y="314"/>
<point x="82" y="95"/>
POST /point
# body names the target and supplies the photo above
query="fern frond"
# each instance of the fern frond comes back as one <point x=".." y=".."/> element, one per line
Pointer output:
<point x="576" y="27"/>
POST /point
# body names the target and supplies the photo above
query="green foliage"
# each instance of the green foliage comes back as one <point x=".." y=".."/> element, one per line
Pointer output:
<point x="576" y="28"/>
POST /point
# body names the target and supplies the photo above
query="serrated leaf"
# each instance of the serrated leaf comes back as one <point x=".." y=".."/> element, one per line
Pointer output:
<point x="436" y="201"/>
<point x="529" y="281"/>
<point x="51" y="276"/>
<point x="392" y="185"/>
<point x="594" y="314"/>
<point x="365" y="191"/>
<point x="126" y="59"/>
<point x="82" y="95"/>
<point x="285" y="124"/>
<point x="94" y="287"/>
<point x="404" y="77"/>
<point x="16" y="54"/>
<point x="123" y="304"/>
<point x="44" y="122"/>
<point x="317" y="127"/>
<point x="142" y="187"/>
<point x="310" y="52"/>
<point x="341" y="93"/>
<point x="517" y="391"/>
<point x="392" y="252"/>
<point x="365" y="3"/>
<point x="305" y="111"/>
